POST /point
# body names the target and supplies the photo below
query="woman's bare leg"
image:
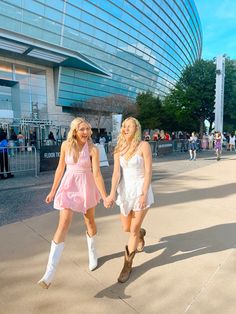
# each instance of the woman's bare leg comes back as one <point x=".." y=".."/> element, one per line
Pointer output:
<point x="126" y="222"/>
<point x="136" y="222"/>
<point x="63" y="225"/>
<point x="90" y="222"/>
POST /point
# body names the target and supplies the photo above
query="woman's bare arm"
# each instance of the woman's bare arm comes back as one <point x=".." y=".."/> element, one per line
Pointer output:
<point x="147" y="156"/>
<point x="97" y="172"/>
<point x="58" y="174"/>
<point x="115" y="176"/>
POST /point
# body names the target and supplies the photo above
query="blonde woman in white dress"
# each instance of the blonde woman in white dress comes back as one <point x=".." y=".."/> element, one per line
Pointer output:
<point x="133" y="187"/>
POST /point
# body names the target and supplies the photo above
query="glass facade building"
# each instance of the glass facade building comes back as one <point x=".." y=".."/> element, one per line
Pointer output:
<point x="57" y="54"/>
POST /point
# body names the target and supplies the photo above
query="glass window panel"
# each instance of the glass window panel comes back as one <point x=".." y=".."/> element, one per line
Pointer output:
<point x="32" y="31"/>
<point x="56" y="4"/>
<point x="51" y="37"/>
<point x="53" y="14"/>
<point x="73" y="11"/>
<point x="86" y="17"/>
<point x="6" y="70"/>
<point x="78" y="3"/>
<point x="15" y="2"/>
<point x="34" y="6"/>
<point x="112" y="9"/>
<point x="21" y="73"/>
<point x="32" y="18"/>
<point x="67" y="87"/>
<point x="10" y="10"/>
<point x="72" y="22"/>
<point x="52" y="26"/>
<point x="89" y="7"/>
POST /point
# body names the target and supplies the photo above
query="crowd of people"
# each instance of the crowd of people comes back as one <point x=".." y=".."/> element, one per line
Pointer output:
<point x="192" y="143"/>
<point x="206" y="141"/>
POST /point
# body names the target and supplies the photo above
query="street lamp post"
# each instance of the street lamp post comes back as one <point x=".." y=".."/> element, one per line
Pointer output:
<point x="219" y="93"/>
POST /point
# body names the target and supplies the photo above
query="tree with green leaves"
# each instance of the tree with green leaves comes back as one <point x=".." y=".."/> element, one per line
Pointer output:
<point x="149" y="110"/>
<point x="175" y="116"/>
<point x="195" y="93"/>
<point x="230" y="96"/>
<point x="192" y="101"/>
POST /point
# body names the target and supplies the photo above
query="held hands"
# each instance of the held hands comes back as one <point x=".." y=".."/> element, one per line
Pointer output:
<point x="49" y="197"/>
<point x="108" y="201"/>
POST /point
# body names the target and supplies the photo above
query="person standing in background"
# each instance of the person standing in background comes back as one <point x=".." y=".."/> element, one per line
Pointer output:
<point x="232" y="142"/>
<point x="193" y="146"/>
<point x="4" y="163"/>
<point x="211" y="140"/>
<point x="218" y="145"/>
<point x="21" y="141"/>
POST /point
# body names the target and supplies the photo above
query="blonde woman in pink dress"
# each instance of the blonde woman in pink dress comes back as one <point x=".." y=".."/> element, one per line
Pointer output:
<point x="80" y="190"/>
<point x="133" y="187"/>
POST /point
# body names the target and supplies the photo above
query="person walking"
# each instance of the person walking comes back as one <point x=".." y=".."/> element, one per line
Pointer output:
<point x="78" y="192"/>
<point x="218" y="145"/>
<point x="134" y="190"/>
<point x="232" y="142"/>
<point x="211" y="140"/>
<point x="21" y="141"/>
<point x="4" y="163"/>
<point x="193" y="146"/>
<point x="51" y="138"/>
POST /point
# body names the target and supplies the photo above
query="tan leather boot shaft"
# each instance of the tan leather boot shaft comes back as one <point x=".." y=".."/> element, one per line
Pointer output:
<point x="141" y="241"/>
<point x="126" y="270"/>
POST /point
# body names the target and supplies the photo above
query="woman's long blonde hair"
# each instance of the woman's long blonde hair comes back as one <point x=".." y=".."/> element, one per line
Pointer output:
<point x="121" y="142"/>
<point x="72" y="142"/>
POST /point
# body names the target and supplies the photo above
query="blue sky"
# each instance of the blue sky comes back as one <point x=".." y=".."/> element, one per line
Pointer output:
<point x="218" y="19"/>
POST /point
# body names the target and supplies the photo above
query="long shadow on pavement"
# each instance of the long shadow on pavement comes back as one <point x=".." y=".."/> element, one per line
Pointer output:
<point x="215" y="192"/>
<point x="187" y="245"/>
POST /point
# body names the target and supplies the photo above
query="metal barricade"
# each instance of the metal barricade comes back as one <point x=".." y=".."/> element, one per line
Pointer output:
<point x="161" y="148"/>
<point x="180" y="145"/>
<point x="154" y="149"/>
<point x="23" y="159"/>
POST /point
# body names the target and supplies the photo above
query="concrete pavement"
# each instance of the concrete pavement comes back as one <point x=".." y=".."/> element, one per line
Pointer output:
<point x="188" y="265"/>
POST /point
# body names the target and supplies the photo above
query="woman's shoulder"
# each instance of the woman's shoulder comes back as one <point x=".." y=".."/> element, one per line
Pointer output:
<point x="93" y="149"/>
<point x="64" y="145"/>
<point x="144" y="145"/>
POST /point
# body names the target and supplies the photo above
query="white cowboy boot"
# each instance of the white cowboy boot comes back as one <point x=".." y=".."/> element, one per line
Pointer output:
<point x="93" y="259"/>
<point x="53" y="260"/>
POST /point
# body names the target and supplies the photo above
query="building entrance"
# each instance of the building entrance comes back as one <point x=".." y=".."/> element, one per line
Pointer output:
<point x="23" y="91"/>
<point x="9" y="96"/>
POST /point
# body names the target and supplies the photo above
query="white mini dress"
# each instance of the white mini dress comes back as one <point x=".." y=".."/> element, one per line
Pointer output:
<point x="130" y="187"/>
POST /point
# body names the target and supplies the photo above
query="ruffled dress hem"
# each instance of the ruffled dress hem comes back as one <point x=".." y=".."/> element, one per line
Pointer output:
<point x="132" y="203"/>
<point x="76" y="209"/>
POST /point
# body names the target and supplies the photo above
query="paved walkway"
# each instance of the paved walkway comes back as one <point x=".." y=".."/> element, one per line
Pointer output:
<point x="188" y="265"/>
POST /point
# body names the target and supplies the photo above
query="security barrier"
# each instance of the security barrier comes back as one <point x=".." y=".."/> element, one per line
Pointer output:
<point x="161" y="147"/>
<point x="182" y="145"/>
<point x="21" y="159"/>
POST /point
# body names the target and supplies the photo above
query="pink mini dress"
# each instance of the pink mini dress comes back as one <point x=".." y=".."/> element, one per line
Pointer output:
<point x="77" y="190"/>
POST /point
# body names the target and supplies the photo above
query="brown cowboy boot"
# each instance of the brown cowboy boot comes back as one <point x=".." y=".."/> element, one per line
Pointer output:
<point x="126" y="270"/>
<point x="141" y="241"/>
